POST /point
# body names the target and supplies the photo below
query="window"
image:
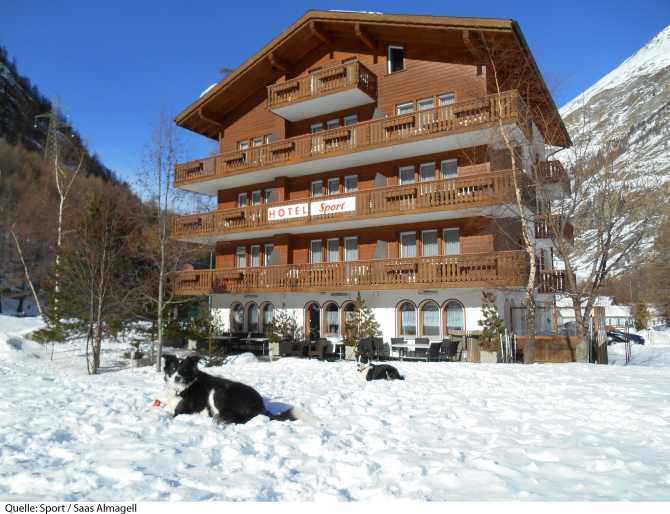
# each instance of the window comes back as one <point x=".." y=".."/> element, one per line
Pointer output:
<point x="407" y="315"/>
<point x="348" y="313"/>
<point x="332" y="124"/>
<point x="455" y="316"/>
<point x="449" y="168"/>
<point x="256" y="197"/>
<point x="315" y="251"/>
<point x="406" y="175"/>
<point x="268" y="250"/>
<point x="446" y="99"/>
<point x="237" y="318"/>
<point x="427" y="171"/>
<point x="317" y="188"/>
<point x="351" y="249"/>
<point x="452" y="241"/>
<point x="408" y="244"/>
<point x="430" y="319"/>
<point x="253" y="324"/>
<point x="333" y="186"/>
<point x="267" y="316"/>
<point x="257" y="141"/>
<point x="351" y="119"/>
<point x="351" y="183"/>
<point x="271" y="195"/>
<point x="332" y="319"/>
<point x="243" y="145"/>
<point x="255" y="255"/>
<point x="268" y="138"/>
<point x="426" y="103"/>
<point x="429" y="243"/>
<point x="333" y="250"/>
<point x="241" y="257"/>
<point x="242" y="200"/>
<point x="316" y="127"/>
<point x="405" y="108"/>
<point x="395" y="58"/>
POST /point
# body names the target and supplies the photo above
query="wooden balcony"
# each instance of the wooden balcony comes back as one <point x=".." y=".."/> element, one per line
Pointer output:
<point x="552" y="175"/>
<point x="552" y="281"/>
<point x="408" y="134"/>
<point x="332" y="89"/>
<point x="439" y="196"/>
<point x="499" y="269"/>
<point x="547" y="226"/>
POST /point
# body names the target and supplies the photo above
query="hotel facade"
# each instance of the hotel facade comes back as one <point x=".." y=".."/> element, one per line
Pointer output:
<point x="362" y="152"/>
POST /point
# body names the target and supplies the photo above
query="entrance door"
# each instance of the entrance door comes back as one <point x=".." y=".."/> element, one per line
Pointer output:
<point x="314" y="322"/>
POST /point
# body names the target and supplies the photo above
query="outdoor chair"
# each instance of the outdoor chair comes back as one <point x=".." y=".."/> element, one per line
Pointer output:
<point x="434" y="351"/>
<point x="381" y="350"/>
<point x="451" y="350"/>
<point x="396" y="341"/>
<point x="365" y="347"/>
<point x="285" y="348"/>
<point x="316" y="349"/>
<point x="418" y="353"/>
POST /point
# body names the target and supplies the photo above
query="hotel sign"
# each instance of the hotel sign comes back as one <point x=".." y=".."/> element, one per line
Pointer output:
<point x="346" y="204"/>
<point x="319" y="208"/>
<point x="285" y="212"/>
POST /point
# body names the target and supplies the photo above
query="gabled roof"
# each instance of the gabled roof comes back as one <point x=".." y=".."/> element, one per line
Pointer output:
<point x="456" y="35"/>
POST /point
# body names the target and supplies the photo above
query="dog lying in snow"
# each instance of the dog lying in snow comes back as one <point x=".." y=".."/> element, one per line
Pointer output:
<point x="224" y="400"/>
<point x="376" y="371"/>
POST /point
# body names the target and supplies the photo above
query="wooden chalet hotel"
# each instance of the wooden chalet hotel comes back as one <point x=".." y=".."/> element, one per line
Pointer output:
<point x="362" y="152"/>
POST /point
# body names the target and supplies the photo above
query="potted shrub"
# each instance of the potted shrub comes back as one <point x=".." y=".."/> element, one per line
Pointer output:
<point x="282" y="329"/>
<point x="360" y="325"/>
<point x="493" y="328"/>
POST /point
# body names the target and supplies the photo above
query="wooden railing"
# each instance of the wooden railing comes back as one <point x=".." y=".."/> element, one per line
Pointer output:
<point x="322" y="83"/>
<point x="551" y="172"/>
<point x="475" y="270"/>
<point x="547" y="225"/>
<point x="456" y="193"/>
<point x="552" y="281"/>
<point x="457" y="117"/>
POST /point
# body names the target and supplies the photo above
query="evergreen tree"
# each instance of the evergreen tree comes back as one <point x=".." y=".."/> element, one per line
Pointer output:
<point x="493" y="326"/>
<point x="283" y="327"/>
<point x="641" y="316"/>
<point x="361" y="324"/>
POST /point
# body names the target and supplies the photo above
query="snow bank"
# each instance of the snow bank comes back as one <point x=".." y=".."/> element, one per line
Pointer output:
<point x="451" y="431"/>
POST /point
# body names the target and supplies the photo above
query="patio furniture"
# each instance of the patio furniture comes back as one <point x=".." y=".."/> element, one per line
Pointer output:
<point x="420" y="350"/>
<point x="365" y="347"/>
<point x="285" y="348"/>
<point x="380" y="350"/>
<point x="399" y="343"/>
<point x="317" y="348"/>
<point x="452" y="350"/>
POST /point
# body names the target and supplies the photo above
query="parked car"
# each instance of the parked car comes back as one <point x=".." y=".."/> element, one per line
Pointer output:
<point x="616" y="336"/>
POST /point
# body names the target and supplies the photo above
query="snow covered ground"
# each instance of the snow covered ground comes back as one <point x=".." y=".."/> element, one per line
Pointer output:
<point x="450" y="431"/>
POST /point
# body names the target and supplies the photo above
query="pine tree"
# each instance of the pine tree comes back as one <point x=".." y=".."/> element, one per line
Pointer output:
<point x="492" y="325"/>
<point x="283" y="327"/>
<point x="361" y="324"/>
<point x="641" y="316"/>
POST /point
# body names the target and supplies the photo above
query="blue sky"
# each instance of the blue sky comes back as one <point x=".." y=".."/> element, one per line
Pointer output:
<point x="116" y="65"/>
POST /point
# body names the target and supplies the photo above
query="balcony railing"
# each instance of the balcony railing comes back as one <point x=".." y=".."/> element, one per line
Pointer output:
<point x="552" y="172"/>
<point x="552" y="281"/>
<point x="546" y="227"/>
<point x="508" y="107"/>
<point x="323" y="82"/>
<point x="456" y="193"/>
<point x="497" y="269"/>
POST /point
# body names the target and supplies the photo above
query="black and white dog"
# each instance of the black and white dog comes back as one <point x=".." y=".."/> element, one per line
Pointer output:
<point x="376" y="371"/>
<point x="224" y="400"/>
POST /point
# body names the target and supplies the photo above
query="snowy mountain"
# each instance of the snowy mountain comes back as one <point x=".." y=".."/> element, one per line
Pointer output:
<point x="631" y="102"/>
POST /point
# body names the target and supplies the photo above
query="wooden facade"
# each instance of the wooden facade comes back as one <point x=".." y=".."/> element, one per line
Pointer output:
<point x="392" y="116"/>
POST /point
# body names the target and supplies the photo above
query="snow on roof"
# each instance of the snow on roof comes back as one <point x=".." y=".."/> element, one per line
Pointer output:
<point x="207" y="90"/>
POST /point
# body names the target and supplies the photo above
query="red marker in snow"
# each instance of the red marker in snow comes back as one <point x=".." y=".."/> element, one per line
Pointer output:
<point x="157" y="403"/>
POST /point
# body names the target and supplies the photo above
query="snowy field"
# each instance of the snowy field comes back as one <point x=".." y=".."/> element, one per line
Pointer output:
<point x="451" y="431"/>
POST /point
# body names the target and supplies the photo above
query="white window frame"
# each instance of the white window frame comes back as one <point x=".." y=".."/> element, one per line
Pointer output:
<point x="435" y="171"/>
<point x="348" y="189"/>
<point x="267" y="254"/>
<point x="243" y="144"/>
<point x="315" y="128"/>
<point x="337" y="241"/>
<point x="400" y="170"/>
<point x="311" y="188"/>
<point x="259" y="199"/>
<point x="404" y="108"/>
<point x="419" y="103"/>
<point x="446" y="99"/>
<point x="311" y="251"/>
<point x="257" y="141"/>
<point x="333" y="181"/>
<point x="241" y="254"/>
<point x="242" y="199"/>
<point x="423" y="240"/>
<point x="255" y="249"/>
<point x="351" y="119"/>
<point x="388" y="58"/>
<point x="351" y="238"/>
<point x="442" y="168"/>
<point x="402" y="234"/>
<point x="268" y="192"/>
<point x="333" y="124"/>
<point x="444" y="239"/>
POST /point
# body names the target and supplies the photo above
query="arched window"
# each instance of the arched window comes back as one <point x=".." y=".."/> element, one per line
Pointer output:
<point x="454" y="315"/>
<point x="312" y="321"/>
<point x="348" y="310"/>
<point x="407" y="319"/>
<point x="268" y="314"/>
<point x="253" y="321"/>
<point x="236" y="318"/>
<point x="332" y="322"/>
<point x="430" y="319"/>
